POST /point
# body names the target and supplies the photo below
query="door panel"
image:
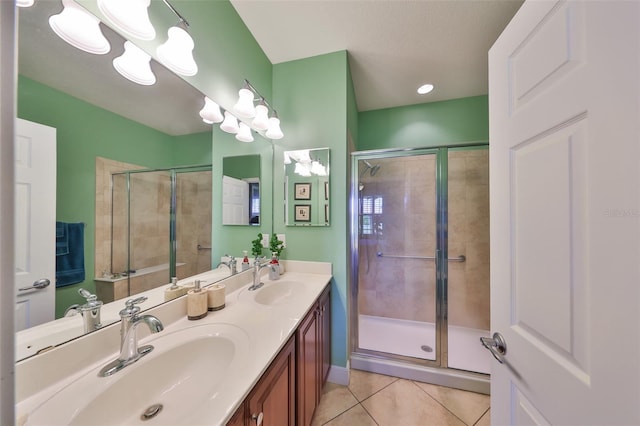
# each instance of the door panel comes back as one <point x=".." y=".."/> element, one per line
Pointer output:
<point x="35" y="225"/>
<point x="565" y="233"/>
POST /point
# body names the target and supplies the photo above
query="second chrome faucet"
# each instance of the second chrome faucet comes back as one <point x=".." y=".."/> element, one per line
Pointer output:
<point x="129" y="322"/>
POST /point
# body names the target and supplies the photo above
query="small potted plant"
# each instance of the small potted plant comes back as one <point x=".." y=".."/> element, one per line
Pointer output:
<point x="276" y="246"/>
<point x="256" y="246"/>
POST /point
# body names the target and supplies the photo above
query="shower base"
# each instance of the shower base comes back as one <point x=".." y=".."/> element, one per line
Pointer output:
<point x="407" y="338"/>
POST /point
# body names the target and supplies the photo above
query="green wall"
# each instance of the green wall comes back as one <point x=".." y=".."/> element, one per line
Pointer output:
<point x="242" y="166"/>
<point x="312" y="97"/>
<point x="85" y="132"/>
<point x="425" y="125"/>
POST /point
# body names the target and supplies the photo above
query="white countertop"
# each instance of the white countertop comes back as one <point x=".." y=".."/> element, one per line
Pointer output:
<point x="268" y="328"/>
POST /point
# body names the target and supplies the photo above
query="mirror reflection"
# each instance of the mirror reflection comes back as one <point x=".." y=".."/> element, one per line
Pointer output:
<point x="241" y="190"/>
<point x="307" y="199"/>
<point x="102" y="125"/>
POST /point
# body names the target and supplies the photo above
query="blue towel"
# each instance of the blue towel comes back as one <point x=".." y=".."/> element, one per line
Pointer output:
<point x="62" y="239"/>
<point x="70" y="266"/>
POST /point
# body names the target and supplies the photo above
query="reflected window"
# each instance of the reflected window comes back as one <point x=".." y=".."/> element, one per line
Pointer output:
<point x="371" y="219"/>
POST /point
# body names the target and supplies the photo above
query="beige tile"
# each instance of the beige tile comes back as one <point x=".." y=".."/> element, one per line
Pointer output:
<point x="356" y="416"/>
<point x="335" y="400"/>
<point x="400" y="404"/>
<point x="363" y="384"/>
<point x="468" y="406"/>
<point x="484" y="420"/>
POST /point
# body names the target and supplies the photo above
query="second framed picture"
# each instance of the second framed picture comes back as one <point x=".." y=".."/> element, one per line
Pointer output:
<point x="302" y="191"/>
<point x="303" y="212"/>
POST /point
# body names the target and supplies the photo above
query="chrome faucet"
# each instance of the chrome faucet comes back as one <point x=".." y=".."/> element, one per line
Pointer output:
<point x="90" y="311"/>
<point x="232" y="264"/>
<point x="129" y="351"/>
<point x="257" y="267"/>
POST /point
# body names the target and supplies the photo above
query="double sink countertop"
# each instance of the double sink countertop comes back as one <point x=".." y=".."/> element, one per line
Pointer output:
<point x="255" y="324"/>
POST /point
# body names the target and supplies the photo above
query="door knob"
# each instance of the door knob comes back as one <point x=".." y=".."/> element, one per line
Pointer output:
<point x="496" y="345"/>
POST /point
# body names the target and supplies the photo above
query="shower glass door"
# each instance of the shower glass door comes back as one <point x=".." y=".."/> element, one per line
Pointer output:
<point x="396" y="252"/>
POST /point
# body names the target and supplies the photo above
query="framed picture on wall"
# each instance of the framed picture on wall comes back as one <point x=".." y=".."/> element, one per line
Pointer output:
<point x="326" y="190"/>
<point x="302" y="191"/>
<point x="303" y="212"/>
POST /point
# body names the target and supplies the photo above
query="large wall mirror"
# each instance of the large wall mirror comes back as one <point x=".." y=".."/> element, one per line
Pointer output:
<point x="98" y="115"/>
<point x="307" y="188"/>
<point x="241" y="190"/>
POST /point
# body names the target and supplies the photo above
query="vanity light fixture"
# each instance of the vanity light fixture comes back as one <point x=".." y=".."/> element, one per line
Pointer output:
<point x="274" y="131"/>
<point x="244" y="108"/>
<point x="177" y="52"/>
<point x="261" y="120"/>
<point x="129" y="16"/>
<point x="425" y="88"/>
<point x="79" y="28"/>
<point x="134" y="64"/>
<point x="210" y="113"/>
<point x="24" y="3"/>
<point x="230" y="123"/>
<point x="244" y="133"/>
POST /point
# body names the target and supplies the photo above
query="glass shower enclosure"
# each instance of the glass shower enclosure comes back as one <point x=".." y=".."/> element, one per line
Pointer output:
<point x="161" y="225"/>
<point x="420" y="265"/>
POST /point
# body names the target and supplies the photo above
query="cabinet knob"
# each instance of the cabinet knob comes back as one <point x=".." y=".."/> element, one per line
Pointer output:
<point x="258" y="418"/>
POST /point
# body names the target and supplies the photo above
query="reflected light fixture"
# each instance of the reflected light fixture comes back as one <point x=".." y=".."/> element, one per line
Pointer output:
<point x="134" y="64"/>
<point x="425" y="88"/>
<point x="210" y="113"/>
<point x="318" y="169"/>
<point x="261" y="120"/>
<point x="302" y="170"/>
<point x="244" y="133"/>
<point x="24" y="3"/>
<point x="79" y="28"/>
<point x="230" y="123"/>
<point x="274" y="132"/>
<point x="129" y="16"/>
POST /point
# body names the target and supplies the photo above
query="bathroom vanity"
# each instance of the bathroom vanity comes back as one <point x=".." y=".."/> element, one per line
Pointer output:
<point x="265" y="356"/>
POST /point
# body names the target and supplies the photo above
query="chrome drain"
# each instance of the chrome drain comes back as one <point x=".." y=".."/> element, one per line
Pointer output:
<point x="426" y="348"/>
<point x="151" y="412"/>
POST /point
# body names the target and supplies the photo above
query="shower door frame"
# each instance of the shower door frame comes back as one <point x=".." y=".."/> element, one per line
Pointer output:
<point x="434" y="371"/>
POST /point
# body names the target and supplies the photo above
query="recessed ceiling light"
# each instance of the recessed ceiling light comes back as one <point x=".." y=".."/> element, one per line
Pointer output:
<point x="425" y="88"/>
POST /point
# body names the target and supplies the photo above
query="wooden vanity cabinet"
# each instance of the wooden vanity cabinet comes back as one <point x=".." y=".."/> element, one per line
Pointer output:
<point x="272" y="400"/>
<point x="313" y="357"/>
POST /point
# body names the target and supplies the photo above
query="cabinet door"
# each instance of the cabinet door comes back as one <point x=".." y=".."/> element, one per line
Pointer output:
<point x="272" y="401"/>
<point x="307" y="366"/>
<point x="325" y="335"/>
<point x="238" y="417"/>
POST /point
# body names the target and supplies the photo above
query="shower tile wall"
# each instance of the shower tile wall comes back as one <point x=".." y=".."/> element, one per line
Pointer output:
<point x="469" y="235"/>
<point x="405" y="288"/>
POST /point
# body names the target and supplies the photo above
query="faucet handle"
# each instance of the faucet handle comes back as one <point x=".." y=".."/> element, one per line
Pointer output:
<point x="130" y="308"/>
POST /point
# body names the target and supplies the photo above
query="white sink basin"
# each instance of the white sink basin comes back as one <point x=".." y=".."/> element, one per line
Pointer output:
<point x="274" y="293"/>
<point x="186" y="371"/>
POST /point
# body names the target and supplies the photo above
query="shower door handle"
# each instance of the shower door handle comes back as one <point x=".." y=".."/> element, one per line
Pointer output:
<point x="496" y="345"/>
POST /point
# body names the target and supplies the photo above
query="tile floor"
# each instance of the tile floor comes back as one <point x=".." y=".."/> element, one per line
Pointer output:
<point x="374" y="399"/>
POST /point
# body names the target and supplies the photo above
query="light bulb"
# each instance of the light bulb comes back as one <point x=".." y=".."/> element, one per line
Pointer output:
<point x="230" y="123"/>
<point x="129" y="16"/>
<point x="244" y="133"/>
<point x="210" y="113"/>
<point x="244" y="107"/>
<point x="134" y="65"/>
<point x="79" y="28"/>
<point x="24" y="3"/>
<point x="274" y="132"/>
<point x="261" y="120"/>
<point x="177" y="52"/>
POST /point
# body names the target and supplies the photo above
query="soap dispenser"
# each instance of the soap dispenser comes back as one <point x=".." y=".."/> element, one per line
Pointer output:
<point x="173" y="291"/>
<point x="245" y="261"/>
<point x="196" y="302"/>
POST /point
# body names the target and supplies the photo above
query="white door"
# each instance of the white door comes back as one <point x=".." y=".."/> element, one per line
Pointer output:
<point x="35" y="222"/>
<point x="565" y="214"/>
<point x="235" y="201"/>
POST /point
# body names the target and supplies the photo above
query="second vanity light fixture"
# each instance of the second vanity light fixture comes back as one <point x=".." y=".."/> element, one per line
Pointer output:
<point x="256" y="115"/>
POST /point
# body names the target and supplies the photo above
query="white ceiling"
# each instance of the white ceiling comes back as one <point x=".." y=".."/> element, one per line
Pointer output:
<point x="394" y="45"/>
